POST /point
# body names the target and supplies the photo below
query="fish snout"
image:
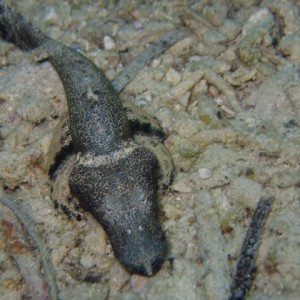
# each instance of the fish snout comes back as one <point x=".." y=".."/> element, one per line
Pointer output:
<point x="143" y="250"/>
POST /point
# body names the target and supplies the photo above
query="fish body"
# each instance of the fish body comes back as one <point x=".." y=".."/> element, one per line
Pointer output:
<point x="114" y="177"/>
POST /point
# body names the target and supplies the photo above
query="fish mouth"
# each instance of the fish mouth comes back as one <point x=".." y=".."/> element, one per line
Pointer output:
<point x="142" y="254"/>
<point x="147" y="267"/>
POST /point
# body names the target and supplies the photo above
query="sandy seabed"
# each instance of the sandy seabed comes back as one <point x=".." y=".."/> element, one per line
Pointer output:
<point x="228" y="96"/>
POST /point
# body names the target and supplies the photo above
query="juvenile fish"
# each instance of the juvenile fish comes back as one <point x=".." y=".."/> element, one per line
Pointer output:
<point x="114" y="177"/>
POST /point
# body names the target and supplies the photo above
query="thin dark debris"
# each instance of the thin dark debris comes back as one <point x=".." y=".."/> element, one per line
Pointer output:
<point x="133" y="68"/>
<point x="246" y="263"/>
<point x="16" y="207"/>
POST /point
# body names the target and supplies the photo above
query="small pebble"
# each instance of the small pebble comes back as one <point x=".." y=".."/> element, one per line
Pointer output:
<point x="213" y="91"/>
<point x="200" y="87"/>
<point x="156" y="62"/>
<point x="184" y="99"/>
<point x="172" y="212"/>
<point x="290" y="46"/>
<point x="51" y="16"/>
<point x="213" y="37"/>
<point x="250" y="122"/>
<point x="115" y="29"/>
<point x="231" y="29"/>
<point x="219" y="101"/>
<point x="87" y="261"/>
<point x="216" y="13"/>
<point x="138" y="25"/>
<point x="183" y="183"/>
<point x="204" y="173"/>
<point x="173" y="76"/>
<point x="108" y="43"/>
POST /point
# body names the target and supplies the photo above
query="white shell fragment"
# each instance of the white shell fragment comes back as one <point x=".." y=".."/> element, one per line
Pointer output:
<point x="204" y="173"/>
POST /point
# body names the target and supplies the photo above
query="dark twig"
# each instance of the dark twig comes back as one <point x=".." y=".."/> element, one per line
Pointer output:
<point x="246" y="263"/>
<point x="154" y="50"/>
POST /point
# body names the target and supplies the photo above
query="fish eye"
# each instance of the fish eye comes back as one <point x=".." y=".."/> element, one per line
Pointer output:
<point x="108" y="209"/>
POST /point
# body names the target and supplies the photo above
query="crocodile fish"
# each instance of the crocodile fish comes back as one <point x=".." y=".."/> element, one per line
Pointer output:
<point x="114" y="175"/>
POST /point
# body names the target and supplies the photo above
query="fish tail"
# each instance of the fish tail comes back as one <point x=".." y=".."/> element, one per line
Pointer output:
<point x="16" y="29"/>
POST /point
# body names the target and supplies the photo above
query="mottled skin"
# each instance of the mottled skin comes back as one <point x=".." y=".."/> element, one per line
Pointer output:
<point x="122" y="196"/>
<point x="114" y="177"/>
<point x="98" y="123"/>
